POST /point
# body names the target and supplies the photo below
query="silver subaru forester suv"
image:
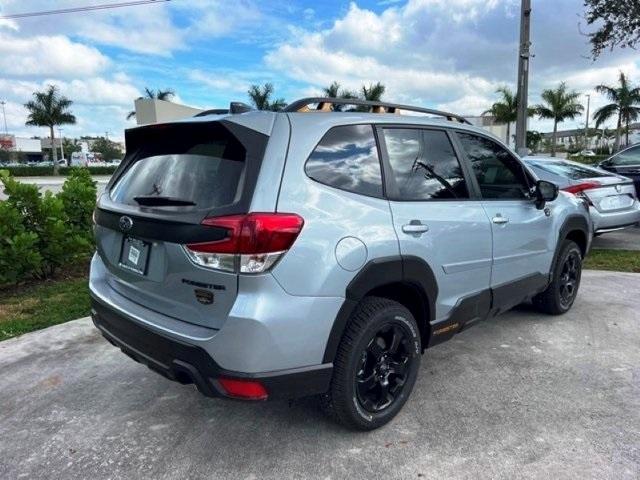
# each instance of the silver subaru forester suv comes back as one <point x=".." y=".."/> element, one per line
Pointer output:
<point x="320" y="250"/>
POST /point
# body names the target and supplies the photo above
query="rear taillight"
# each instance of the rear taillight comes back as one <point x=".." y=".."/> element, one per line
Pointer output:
<point x="579" y="189"/>
<point x="253" y="244"/>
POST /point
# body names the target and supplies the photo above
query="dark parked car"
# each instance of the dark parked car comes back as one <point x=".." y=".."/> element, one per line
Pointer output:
<point x="627" y="163"/>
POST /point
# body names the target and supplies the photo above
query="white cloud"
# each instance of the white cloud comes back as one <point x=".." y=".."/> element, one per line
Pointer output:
<point x="48" y="55"/>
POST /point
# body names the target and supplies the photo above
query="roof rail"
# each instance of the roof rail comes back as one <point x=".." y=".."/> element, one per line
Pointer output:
<point x="324" y="105"/>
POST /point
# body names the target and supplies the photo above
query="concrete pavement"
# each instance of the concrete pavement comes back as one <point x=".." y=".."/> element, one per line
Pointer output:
<point x="520" y="396"/>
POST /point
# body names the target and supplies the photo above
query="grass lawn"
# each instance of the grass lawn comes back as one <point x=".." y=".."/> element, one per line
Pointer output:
<point x="616" y="260"/>
<point x="39" y="305"/>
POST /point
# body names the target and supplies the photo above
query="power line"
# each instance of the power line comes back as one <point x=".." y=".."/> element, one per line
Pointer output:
<point x="88" y="8"/>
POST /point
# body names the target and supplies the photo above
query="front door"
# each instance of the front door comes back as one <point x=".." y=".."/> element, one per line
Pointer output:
<point x="437" y="220"/>
<point x="522" y="243"/>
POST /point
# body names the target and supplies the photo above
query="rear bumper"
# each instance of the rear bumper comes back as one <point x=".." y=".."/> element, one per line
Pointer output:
<point x="186" y="363"/>
<point x="603" y="222"/>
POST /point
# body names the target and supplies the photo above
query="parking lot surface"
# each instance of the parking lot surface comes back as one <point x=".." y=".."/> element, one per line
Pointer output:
<point x="54" y="184"/>
<point x="520" y="396"/>
<point x="627" y="239"/>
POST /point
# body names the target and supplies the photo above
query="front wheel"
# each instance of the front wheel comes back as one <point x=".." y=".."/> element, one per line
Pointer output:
<point x="563" y="289"/>
<point x="376" y="365"/>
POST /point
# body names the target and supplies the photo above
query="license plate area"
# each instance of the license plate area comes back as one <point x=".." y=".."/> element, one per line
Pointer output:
<point x="615" y="202"/>
<point x="134" y="255"/>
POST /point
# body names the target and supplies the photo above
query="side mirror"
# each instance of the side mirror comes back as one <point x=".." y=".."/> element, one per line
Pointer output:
<point x="545" y="192"/>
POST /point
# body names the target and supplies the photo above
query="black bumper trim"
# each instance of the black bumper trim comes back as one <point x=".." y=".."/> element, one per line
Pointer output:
<point x="185" y="363"/>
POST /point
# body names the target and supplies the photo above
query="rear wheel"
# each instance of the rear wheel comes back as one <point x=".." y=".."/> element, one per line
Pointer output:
<point x="376" y="365"/>
<point x="561" y="293"/>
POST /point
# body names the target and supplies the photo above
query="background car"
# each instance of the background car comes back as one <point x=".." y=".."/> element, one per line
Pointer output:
<point x="626" y="163"/>
<point x="613" y="203"/>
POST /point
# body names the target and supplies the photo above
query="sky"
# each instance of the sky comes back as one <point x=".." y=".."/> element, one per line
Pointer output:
<point x="446" y="54"/>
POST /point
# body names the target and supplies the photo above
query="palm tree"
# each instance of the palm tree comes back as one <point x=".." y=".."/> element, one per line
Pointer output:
<point x="559" y="105"/>
<point x="335" y="91"/>
<point x="625" y="101"/>
<point x="373" y="92"/>
<point x="261" y="98"/>
<point x="49" y="109"/>
<point x="165" y="95"/>
<point x="505" y="110"/>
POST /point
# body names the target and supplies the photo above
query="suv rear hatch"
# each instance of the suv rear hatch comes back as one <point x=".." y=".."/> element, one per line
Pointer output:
<point x="172" y="178"/>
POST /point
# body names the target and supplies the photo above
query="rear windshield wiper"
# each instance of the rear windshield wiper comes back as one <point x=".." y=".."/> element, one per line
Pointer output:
<point x="156" y="201"/>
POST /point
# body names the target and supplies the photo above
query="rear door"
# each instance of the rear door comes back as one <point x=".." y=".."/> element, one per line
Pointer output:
<point x="172" y="178"/>
<point x="523" y="242"/>
<point x="436" y="218"/>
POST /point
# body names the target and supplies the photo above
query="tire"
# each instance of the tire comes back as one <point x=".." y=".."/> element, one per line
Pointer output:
<point x="555" y="300"/>
<point x="371" y="383"/>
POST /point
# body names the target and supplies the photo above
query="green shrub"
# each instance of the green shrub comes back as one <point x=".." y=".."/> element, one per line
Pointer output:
<point x="39" y="233"/>
<point x="19" y="256"/>
<point x="78" y="196"/>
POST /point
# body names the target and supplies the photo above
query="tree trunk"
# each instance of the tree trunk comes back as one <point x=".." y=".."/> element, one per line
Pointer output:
<point x="508" y="134"/>
<point x="54" y="152"/>
<point x="626" y="133"/>
<point x="616" y="145"/>
<point x="553" y="138"/>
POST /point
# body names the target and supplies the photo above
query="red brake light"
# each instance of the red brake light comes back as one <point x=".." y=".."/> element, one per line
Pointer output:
<point x="253" y="233"/>
<point x="246" y="389"/>
<point x="581" y="187"/>
<point x="253" y="243"/>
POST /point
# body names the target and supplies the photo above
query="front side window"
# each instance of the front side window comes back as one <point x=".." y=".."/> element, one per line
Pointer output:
<point x="500" y="176"/>
<point x="628" y="157"/>
<point x="347" y="158"/>
<point x="424" y="165"/>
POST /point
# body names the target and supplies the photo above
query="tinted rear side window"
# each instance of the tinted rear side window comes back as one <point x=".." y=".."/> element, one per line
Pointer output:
<point x="202" y="166"/>
<point x="347" y="158"/>
<point x="424" y="165"/>
<point x="628" y="157"/>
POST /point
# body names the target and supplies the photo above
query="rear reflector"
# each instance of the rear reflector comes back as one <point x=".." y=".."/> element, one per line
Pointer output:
<point x="246" y="389"/>
<point x="581" y="187"/>
<point x="253" y="244"/>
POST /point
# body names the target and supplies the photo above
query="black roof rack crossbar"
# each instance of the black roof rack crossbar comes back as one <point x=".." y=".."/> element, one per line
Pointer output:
<point x="324" y="104"/>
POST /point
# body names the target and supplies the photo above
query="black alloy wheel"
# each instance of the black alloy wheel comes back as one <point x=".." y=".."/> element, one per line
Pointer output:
<point x="383" y="368"/>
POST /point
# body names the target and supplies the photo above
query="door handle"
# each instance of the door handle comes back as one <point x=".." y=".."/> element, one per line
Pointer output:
<point x="415" y="227"/>
<point x="499" y="219"/>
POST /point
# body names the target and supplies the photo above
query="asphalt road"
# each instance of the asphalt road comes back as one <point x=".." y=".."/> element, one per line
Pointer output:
<point x="627" y="239"/>
<point x="520" y="396"/>
<point x="54" y="184"/>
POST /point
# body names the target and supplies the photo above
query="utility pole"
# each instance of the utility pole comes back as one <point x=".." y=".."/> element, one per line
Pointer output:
<point x="586" y="128"/>
<point x="61" y="142"/>
<point x="4" y="114"/>
<point x="523" y="77"/>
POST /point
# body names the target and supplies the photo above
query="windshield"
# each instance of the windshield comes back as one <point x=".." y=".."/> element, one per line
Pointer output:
<point x="568" y="170"/>
<point x="199" y="168"/>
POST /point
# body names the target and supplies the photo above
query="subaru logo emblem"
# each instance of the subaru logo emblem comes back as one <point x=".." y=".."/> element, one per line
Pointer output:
<point x="125" y="223"/>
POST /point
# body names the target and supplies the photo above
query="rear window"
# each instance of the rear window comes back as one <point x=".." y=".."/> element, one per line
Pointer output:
<point x="197" y="165"/>
<point x="627" y="157"/>
<point x="568" y="170"/>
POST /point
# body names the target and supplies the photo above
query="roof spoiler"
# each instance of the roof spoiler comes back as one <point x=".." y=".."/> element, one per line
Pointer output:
<point x="234" y="107"/>
<point x="324" y="104"/>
